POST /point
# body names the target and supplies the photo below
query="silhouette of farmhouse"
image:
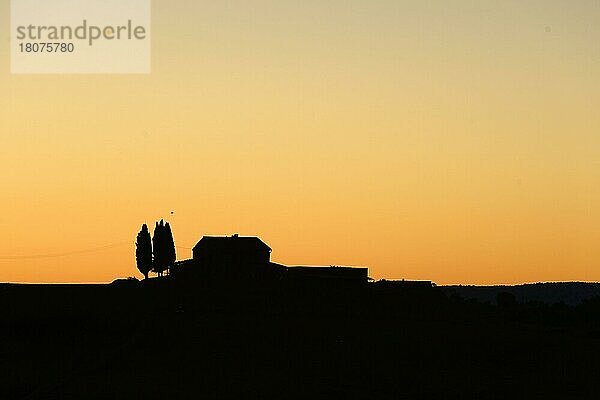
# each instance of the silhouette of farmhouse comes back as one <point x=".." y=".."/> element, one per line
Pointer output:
<point x="248" y="258"/>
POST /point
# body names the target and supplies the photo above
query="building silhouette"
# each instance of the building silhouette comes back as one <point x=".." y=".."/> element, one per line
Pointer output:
<point x="248" y="258"/>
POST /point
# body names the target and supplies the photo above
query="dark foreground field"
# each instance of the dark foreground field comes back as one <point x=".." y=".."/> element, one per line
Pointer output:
<point x="161" y="340"/>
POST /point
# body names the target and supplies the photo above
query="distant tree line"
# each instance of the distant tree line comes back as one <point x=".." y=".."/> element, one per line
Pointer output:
<point x="156" y="254"/>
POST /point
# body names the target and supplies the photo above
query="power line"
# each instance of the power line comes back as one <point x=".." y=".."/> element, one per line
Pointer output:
<point x="69" y="253"/>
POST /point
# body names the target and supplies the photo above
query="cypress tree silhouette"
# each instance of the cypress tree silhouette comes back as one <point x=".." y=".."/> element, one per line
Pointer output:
<point x="160" y="263"/>
<point x="169" y="243"/>
<point x="163" y="247"/>
<point x="143" y="251"/>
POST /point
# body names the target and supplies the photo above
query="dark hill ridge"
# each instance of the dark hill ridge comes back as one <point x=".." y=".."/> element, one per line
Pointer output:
<point x="167" y="338"/>
<point x="570" y="293"/>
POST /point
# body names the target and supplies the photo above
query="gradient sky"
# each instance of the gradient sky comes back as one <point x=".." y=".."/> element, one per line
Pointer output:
<point x="457" y="141"/>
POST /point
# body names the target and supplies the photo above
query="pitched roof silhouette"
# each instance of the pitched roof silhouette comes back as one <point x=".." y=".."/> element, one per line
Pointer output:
<point x="231" y="242"/>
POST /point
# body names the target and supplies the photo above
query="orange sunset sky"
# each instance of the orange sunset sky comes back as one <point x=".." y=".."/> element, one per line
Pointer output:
<point x="457" y="141"/>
